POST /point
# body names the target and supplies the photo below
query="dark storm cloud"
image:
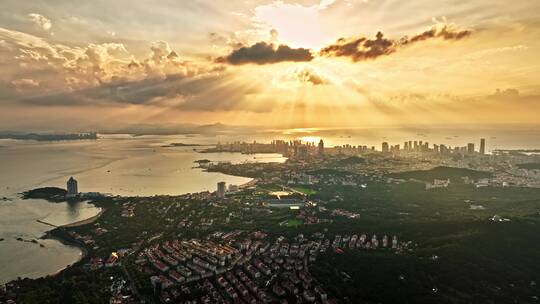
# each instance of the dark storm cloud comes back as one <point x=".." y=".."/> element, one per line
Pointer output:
<point x="266" y="53"/>
<point x="119" y="92"/>
<point x="201" y="93"/>
<point x="444" y="32"/>
<point x="362" y="48"/>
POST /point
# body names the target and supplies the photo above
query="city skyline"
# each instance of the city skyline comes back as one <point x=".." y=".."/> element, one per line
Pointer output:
<point x="330" y="63"/>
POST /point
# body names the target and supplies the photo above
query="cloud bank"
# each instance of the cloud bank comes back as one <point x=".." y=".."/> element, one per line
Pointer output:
<point x="363" y="48"/>
<point x="266" y="53"/>
<point x="359" y="49"/>
<point x="308" y="76"/>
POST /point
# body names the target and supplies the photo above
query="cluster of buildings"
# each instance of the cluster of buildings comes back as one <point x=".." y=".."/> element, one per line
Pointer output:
<point x="438" y="183"/>
<point x="301" y="150"/>
<point x="110" y="261"/>
<point x="424" y="147"/>
<point x="127" y="210"/>
<point x="231" y="268"/>
<point x="248" y="271"/>
<point x="72" y="187"/>
<point x="222" y="189"/>
<point x="293" y="148"/>
<point x="188" y="261"/>
<point x="323" y="178"/>
<point x="87" y="240"/>
<point x="364" y="242"/>
<point x="345" y="213"/>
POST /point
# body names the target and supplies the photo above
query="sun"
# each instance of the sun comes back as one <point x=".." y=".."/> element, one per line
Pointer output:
<point x="310" y="139"/>
<point x="296" y="25"/>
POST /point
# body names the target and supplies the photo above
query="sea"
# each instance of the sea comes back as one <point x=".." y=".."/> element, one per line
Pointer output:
<point x="128" y="165"/>
<point x="114" y="164"/>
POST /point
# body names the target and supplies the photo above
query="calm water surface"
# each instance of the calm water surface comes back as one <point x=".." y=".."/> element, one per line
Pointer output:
<point x="121" y="165"/>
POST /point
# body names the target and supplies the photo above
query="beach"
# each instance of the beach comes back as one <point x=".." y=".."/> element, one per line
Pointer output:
<point x="86" y="221"/>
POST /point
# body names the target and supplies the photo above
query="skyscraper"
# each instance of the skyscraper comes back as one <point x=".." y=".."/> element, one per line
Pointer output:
<point x="482" y="146"/>
<point x="321" y="147"/>
<point x="470" y="148"/>
<point x="72" y="187"/>
<point x="385" y="147"/>
<point x="221" y="189"/>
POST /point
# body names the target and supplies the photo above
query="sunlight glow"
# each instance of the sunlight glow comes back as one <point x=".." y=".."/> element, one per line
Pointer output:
<point x="297" y="25"/>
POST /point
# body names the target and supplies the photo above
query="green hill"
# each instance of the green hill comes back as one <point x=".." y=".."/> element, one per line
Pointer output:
<point x="353" y="160"/>
<point x="329" y="172"/>
<point x="529" y="166"/>
<point x="454" y="174"/>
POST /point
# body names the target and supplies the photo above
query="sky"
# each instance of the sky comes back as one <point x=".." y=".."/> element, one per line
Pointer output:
<point x="68" y="65"/>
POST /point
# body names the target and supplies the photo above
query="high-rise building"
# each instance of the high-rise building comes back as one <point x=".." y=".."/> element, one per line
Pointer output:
<point x="443" y="149"/>
<point x="482" y="146"/>
<point x="321" y="147"/>
<point x="221" y="188"/>
<point x="385" y="147"/>
<point x="470" y="148"/>
<point x="303" y="152"/>
<point x="72" y="187"/>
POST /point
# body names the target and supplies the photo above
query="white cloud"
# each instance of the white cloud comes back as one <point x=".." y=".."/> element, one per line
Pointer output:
<point x="326" y="3"/>
<point x="63" y="68"/>
<point x="495" y="51"/>
<point x="25" y="82"/>
<point x="41" y="21"/>
<point x="300" y="76"/>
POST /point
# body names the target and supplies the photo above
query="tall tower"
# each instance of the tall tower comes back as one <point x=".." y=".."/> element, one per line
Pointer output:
<point x="72" y="187"/>
<point x="321" y="147"/>
<point x="470" y="148"/>
<point x="385" y="147"/>
<point x="482" y="146"/>
<point x="221" y="189"/>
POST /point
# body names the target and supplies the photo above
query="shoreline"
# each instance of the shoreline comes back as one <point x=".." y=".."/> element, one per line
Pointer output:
<point x="66" y="242"/>
<point x="251" y="183"/>
<point x="85" y="221"/>
<point x="50" y="235"/>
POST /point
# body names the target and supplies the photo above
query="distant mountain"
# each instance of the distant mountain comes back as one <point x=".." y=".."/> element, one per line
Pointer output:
<point x="529" y="166"/>
<point x="174" y="129"/>
<point x="48" y="136"/>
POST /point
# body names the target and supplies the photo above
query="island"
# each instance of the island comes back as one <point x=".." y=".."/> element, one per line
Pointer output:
<point x="172" y="145"/>
<point x="49" y="136"/>
<point x="51" y="194"/>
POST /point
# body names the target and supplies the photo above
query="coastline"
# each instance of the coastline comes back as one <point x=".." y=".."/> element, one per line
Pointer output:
<point x="84" y="252"/>
<point x="59" y="233"/>
<point x="251" y="183"/>
<point x="66" y="241"/>
<point x="85" y="221"/>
